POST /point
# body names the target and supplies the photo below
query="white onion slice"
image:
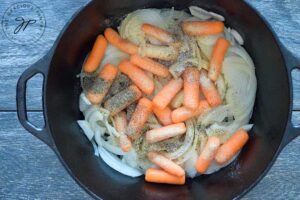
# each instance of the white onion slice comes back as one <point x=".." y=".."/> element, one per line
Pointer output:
<point x="240" y="51"/>
<point x="117" y="164"/>
<point x="221" y="86"/>
<point x="199" y="13"/>
<point x="96" y="152"/>
<point x="204" y="14"/>
<point x="237" y="36"/>
<point x="94" y="118"/>
<point x="109" y="147"/>
<point x="189" y="136"/>
<point x="247" y="127"/>
<point x="216" y="114"/>
<point x="217" y="16"/>
<point x="84" y="103"/>
<point x="85" y="126"/>
<point x="189" y="165"/>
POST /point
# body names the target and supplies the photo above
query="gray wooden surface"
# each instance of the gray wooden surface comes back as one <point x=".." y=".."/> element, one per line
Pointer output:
<point x="30" y="170"/>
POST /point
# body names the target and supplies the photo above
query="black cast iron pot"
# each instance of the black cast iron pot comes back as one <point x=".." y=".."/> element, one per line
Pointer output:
<point x="271" y="116"/>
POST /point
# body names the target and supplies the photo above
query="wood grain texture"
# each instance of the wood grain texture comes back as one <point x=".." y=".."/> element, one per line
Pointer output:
<point x="30" y="170"/>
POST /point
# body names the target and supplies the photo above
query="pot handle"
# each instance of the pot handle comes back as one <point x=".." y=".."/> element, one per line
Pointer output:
<point x="40" y="67"/>
<point x="292" y="62"/>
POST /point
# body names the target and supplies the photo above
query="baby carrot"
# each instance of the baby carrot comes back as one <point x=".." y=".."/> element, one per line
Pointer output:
<point x="166" y="164"/>
<point x="232" y="146"/>
<point x="177" y="101"/>
<point x="162" y="133"/>
<point x="120" y="122"/>
<point x="160" y="176"/>
<point x="96" y="55"/>
<point x="209" y="90"/>
<point x="158" y="33"/>
<point x="102" y="84"/>
<point x="124" y="45"/>
<point x="182" y="114"/>
<point x="191" y="87"/>
<point x="150" y="65"/>
<point x="163" y="115"/>
<point x="167" y="53"/>
<point x="164" y="97"/>
<point x="139" y="118"/>
<point x="197" y="28"/>
<point x="138" y="76"/>
<point x="208" y="154"/>
<point x="216" y="61"/>
<point x="122" y="99"/>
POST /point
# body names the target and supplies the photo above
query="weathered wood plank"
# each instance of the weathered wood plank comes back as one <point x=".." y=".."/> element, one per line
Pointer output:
<point x="30" y="170"/>
<point x="14" y="59"/>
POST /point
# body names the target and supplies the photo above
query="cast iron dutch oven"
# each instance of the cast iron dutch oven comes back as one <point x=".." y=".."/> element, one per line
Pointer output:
<point x="271" y="117"/>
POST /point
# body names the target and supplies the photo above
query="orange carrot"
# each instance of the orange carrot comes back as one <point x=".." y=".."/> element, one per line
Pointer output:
<point x="164" y="115"/>
<point x="95" y="57"/>
<point x="208" y="154"/>
<point x="198" y="28"/>
<point x="120" y="122"/>
<point x="232" y="146"/>
<point x="138" y="76"/>
<point x="160" y="176"/>
<point x="191" y="87"/>
<point x="139" y="118"/>
<point x="124" y="45"/>
<point x="209" y="90"/>
<point x="164" y="97"/>
<point x="162" y="133"/>
<point x="166" y="164"/>
<point x="182" y="114"/>
<point x="158" y="33"/>
<point x="150" y="65"/>
<point x="177" y="101"/>
<point x="216" y="61"/>
<point x="123" y="99"/>
<point x="102" y="84"/>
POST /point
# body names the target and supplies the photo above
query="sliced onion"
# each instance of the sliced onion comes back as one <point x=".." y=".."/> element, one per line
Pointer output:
<point x="217" y="16"/>
<point x="117" y="164"/>
<point x="85" y="126"/>
<point x="115" y="149"/>
<point x="204" y="14"/>
<point x="112" y="56"/>
<point x="237" y="36"/>
<point x="189" y="136"/>
<point x="189" y="165"/>
<point x="87" y="113"/>
<point x="221" y="86"/>
<point x="240" y="51"/>
<point x="241" y="81"/>
<point x="84" y="103"/>
<point x="96" y="152"/>
<point x="94" y="118"/>
<point x="187" y="155"/>
<point x="216" y="114"/>
<point x="247" y="127"/>
<point x="130" y="158"/>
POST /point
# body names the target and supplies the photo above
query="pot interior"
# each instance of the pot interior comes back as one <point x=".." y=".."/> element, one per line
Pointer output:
<point x="63" y="88"/>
